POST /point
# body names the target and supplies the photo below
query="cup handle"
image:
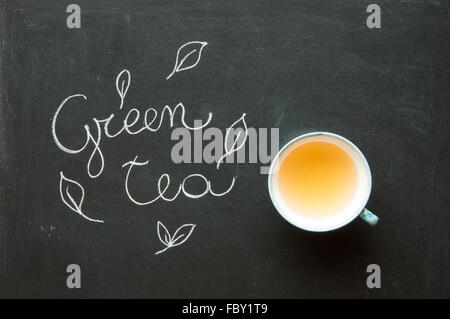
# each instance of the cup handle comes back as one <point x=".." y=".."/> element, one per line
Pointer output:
<point x="369" y="217"/>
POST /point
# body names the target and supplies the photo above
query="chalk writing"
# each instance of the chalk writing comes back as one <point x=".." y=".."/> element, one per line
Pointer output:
<point x="129" y="125"/>
<point x="164" y="183"/>
<point x="93" y="136"/>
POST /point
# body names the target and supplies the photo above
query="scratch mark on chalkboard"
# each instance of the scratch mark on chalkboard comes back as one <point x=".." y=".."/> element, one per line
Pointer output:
<point x="196" y="47"/>
<point x="269" y="267"/>
<point x="280" y="118"/>
<point x="64" y="189"/>
<point x="9" y="104"/>
<point x="179" y="237"/>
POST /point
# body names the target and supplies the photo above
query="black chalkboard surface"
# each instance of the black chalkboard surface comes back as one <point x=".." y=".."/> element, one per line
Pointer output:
<point x="299" y="66"/>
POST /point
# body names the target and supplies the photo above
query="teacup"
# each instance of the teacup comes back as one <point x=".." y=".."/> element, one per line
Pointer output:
<point x="320" y="182"/>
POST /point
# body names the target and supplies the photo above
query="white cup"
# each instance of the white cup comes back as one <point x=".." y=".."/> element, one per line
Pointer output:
<point x="355" y="207"/>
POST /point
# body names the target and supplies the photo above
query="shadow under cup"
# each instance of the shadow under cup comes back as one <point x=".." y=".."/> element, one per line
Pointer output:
<point x="352" y="208"/>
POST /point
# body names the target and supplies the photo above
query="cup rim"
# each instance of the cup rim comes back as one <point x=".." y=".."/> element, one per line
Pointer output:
<point x="291" y="220"/>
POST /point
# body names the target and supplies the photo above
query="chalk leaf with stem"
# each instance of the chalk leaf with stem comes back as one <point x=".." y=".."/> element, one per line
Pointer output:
<point x="234" y="142"/>
<point x="191" y="49"/>
<point x="179" y="237"/>
<point x="123" y="81"/>
<point x="68" y="189"/>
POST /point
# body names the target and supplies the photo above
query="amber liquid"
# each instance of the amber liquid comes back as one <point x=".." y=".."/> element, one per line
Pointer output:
<point x="317" y="179"/>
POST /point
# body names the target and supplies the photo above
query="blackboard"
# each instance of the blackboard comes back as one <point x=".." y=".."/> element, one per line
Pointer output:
<point x="299" y="66"/>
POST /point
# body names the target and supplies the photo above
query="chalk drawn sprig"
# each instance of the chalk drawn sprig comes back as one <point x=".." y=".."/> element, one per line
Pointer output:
<point x="193" y="47"/>
<point x="123" y="82"/>
<point x="65" y="184"/>
<point x="231" y="145"/>
<point x="178" y="238"/>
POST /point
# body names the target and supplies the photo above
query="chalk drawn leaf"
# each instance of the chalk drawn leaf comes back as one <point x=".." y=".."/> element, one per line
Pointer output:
<point x="178" y="238"/>
<point x="182" y="234"/>
<point x="163" y="234"/>
<point x="68" y="188"/>
<point x="123" y="81"/>
<point x="191" y="49"/>
<point x="232" y="142"/>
